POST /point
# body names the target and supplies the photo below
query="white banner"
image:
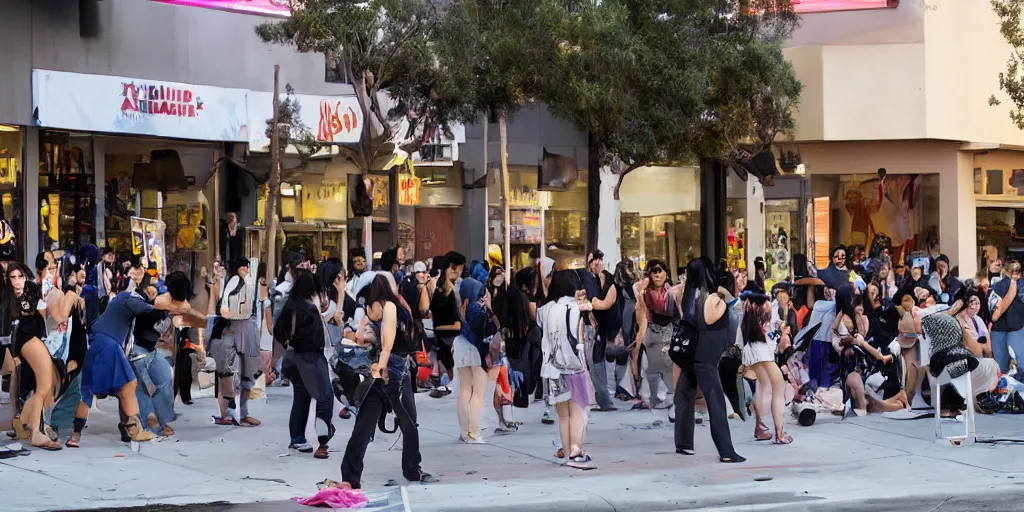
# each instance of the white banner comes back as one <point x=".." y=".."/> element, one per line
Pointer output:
<point x="112" y="104"/>
<point x="330" y="119"/>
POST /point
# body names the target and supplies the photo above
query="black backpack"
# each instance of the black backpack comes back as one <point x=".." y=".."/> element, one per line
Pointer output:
<point x="683" y="345"/>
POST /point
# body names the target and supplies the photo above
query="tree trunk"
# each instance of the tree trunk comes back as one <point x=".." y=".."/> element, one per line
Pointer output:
<point x="274" y="186"/>
<point x="507" y="232"/>
<point x="608" y="222"/>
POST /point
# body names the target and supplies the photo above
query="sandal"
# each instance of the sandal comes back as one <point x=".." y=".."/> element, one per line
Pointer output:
<point x="167" y="431"/>
<point x="249" y="421"/>
<point x="225" y="421"/>
<point x="560" y="454"/>
<point x="761" y="432"/>
<point x="74" y="440"/>
<point x="785" y="439"/>
<point x="322" y="452"/>
<point x="50" y="445"/>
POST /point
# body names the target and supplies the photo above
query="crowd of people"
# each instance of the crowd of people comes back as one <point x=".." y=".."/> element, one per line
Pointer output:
<point x="865" y="334"/>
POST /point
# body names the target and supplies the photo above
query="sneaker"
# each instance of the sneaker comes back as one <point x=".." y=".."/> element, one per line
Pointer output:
<point x="345" y="413"/>
<point x="301" y="447"/>
<point x="506" y="428"/>
<point x="472" y="438"/>
<point x="420" y="476"/>
<point x="546" y="418"/>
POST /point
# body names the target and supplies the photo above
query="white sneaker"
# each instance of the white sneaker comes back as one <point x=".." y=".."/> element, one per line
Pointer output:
<point x="471" y="438"/>
<point x="546" y="418"/>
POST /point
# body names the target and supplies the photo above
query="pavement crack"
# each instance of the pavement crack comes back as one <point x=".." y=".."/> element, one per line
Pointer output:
<point x="614" y="508"/>
<point x="941" y="503"/>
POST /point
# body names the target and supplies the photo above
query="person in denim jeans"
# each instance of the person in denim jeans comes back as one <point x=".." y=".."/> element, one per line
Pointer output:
<point x="390" y="374"/>
<point x="1008" y="318"/>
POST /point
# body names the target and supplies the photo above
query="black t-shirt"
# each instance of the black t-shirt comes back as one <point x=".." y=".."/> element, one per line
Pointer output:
<point x="1012" y="319"/>
<point x="411" y="293"/>
<point x="445" y="308"/>
<point x="609" y="320"/>
<point x="149" y="327"/>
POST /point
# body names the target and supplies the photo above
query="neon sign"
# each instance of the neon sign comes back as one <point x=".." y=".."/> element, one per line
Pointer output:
<point x="812" y="6"/>
<point x="263" y="7"/>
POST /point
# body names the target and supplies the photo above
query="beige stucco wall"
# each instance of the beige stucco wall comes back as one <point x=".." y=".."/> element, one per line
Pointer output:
<point x="924" y="70"/>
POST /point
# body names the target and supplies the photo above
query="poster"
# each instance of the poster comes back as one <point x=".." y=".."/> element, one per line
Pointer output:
<point x="148" y="243"/>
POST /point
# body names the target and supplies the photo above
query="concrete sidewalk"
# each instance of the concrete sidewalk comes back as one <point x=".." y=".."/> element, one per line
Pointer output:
<point x="832" y="462"/>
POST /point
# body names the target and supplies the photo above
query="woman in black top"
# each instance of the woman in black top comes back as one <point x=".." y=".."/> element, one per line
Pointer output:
<point x="706" y="312"/>
<point x="301" y="328"/>
<point x="444" y="310"/>
<point x="391" y="323"/>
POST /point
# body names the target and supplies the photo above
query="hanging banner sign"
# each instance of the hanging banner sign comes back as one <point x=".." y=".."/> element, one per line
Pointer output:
<point x="137" y="106"/>
<point x="329" y="119"/>
<point x="409" y="190"/>
<point x="264" y="7"/>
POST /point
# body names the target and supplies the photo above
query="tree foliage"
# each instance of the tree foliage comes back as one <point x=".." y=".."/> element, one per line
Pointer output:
<point x="292" y="131"/>
<point x="1012" y="81"/>
<point x="383" y="48"/>
<point x="658" y="82"/>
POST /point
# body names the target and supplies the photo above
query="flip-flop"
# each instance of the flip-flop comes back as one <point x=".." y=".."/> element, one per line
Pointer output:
<point x="19" y="449"/>
<point x="249" y="421"/>
<point x="73" y="444"/>
<point x="7" y="454"/>
<point x="52" y="446"/>
<point x="785" y="439"/>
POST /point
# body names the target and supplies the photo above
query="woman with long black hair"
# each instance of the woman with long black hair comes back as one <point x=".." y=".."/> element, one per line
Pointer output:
<point x="301" y="329"/>
<point x="391" y="325"/>
<point x="706" y="312"/>
<point x="236" y="348"/>
<point x="39" y="347"/>
<point x="857" y="356"/>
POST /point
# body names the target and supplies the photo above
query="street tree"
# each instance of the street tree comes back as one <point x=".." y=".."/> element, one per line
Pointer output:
<point x="383" y="49"/>
<point x="502" y="52"/>
<point x="660" y="83"/>
<point x="285" y="130"/>
<point x="1011" y="81"/>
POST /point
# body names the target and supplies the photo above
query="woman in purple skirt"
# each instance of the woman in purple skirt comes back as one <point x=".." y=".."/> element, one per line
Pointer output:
<point x="562" y="368"/>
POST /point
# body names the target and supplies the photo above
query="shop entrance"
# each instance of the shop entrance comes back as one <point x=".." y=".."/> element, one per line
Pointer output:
<point x="435" y="232"/>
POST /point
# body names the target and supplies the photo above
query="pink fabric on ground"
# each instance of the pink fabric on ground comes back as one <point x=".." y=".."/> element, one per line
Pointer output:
<point x="335" y="497"/>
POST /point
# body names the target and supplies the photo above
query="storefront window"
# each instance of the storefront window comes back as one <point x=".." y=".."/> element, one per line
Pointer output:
<point x="66" y="190"/>
<point x="10" y="178"/>
<point x="660" y="215"/>
<point x="783" y="233"/>
<point x="736" y="236"/>
<point x="897" y="211"/>
<point x="999" y="228"/>
<point x="540" y="221"/>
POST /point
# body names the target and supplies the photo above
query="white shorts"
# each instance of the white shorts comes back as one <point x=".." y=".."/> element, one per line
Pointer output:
<point x="465" y="354"/>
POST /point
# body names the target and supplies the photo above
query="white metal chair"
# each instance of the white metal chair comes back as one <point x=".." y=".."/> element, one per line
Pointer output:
<point x="963" y="386"/>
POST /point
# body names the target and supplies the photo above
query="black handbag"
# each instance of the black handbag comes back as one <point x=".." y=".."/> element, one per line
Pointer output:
<point x="683" y="345"/>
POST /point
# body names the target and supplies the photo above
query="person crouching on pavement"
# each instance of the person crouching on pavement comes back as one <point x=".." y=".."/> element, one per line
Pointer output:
<point x="235" y="348"/>
<point x="390" y="371"/>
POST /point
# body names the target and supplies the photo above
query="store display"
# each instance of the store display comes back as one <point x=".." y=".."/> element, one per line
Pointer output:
<point x="148" y="243"/>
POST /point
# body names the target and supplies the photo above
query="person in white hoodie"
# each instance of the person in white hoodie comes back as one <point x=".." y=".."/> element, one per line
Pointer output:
<point x="562" y="369"/>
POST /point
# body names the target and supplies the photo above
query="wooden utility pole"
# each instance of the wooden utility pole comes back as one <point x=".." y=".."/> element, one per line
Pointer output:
<point x="273" y="189"/>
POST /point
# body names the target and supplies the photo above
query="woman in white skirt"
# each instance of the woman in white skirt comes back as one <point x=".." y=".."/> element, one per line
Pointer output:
<point x="760" y="341"/>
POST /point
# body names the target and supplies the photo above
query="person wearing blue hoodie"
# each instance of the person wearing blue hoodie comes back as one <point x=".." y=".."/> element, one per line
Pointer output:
<point x="470" y="355"/>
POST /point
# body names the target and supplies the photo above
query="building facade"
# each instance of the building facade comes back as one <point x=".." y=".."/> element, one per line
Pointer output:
<point x="907" y="89"/>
